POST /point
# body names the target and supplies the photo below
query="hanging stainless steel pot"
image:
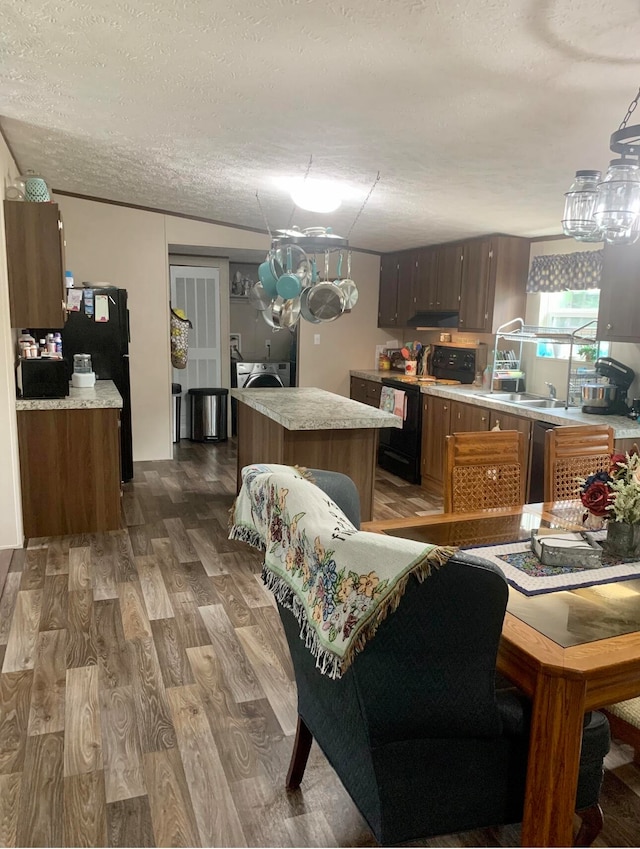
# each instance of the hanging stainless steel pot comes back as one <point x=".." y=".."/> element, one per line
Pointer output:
<point x="285" y="313"/>
<point x="258" y="298"/>
<point x="325" y="301"/>
<point x="348" y="286"/>
<point x="305" y="312"/>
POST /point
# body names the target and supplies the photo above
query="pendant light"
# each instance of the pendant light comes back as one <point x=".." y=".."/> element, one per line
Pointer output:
<point x="608" y="209"/>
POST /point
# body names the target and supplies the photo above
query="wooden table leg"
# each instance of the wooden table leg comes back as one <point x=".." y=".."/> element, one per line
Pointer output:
<point x="554" y="760"/>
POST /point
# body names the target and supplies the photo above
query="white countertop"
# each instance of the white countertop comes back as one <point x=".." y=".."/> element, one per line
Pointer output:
<point x="314" y="409"/>
<point x="103" y="395"/>
<point x="623" y="428"/>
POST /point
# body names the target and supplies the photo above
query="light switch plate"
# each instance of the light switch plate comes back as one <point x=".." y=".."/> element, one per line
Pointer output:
<point x="316" y="338"/>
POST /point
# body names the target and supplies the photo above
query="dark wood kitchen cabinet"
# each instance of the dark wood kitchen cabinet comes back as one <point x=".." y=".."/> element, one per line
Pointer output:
<point x="397" y="280"/>
<point x="438" y="278"/>
<point x="69" y="470"/>
<point x="35" y="264"/>
<point x="509" y="422"/>
<point x="494" y="278"/>
<point x="468" y="417"/>
<point x="365" y="391"/>
<point x="619" y="311"/>
<point x="436" y="419"/>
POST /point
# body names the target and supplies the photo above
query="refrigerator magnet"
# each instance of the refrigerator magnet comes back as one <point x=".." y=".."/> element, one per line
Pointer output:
<point x="102" y="308"/>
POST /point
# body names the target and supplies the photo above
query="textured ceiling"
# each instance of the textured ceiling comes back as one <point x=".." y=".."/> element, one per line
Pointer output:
<point x="475" y="114"/>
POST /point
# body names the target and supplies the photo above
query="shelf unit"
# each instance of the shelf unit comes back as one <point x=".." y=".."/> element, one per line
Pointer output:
<point x="519" y="332"/>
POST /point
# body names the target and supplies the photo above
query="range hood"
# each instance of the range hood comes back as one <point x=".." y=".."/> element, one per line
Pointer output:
<point x="428" y="319"/>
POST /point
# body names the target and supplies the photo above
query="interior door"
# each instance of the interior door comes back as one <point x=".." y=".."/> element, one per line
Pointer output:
<point x="196" y="290"/>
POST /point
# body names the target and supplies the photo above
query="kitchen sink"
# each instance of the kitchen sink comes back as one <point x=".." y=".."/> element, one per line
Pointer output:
<point x="517" y="397"/>
<point x="541" y="402"/>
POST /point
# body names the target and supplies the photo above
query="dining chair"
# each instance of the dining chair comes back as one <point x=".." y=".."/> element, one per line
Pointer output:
<point x="573" y="453"/>
<point x="484" y="470"/>
<point x="417" y="730"/>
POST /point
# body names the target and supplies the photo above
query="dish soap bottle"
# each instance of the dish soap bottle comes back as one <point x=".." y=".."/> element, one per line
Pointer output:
<point x="487" y="374"/>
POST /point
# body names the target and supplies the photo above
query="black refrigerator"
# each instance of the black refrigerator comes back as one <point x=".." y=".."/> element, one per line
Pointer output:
<point x="108" y="344"/>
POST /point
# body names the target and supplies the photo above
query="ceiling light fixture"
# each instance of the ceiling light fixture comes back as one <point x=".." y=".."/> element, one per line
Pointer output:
<point x="316" y="195"/>
<point x="608" y="209"/>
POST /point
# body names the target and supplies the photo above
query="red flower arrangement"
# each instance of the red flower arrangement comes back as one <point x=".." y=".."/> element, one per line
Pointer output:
<point x="600" y="491"/>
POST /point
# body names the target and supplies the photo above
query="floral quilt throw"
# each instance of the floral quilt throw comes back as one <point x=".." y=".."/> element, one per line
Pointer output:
<point x="339" y="582"/>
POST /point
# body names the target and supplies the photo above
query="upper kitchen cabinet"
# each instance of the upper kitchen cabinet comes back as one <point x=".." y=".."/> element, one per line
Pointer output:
<point x="397" y="280"/>
<point x="35" y="262"/>
<point x="619" y="313"/>
<point x="494" y="276"/>
<point x="438" y="278"/>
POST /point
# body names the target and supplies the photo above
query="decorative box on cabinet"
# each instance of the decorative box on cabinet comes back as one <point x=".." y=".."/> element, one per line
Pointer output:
<point x="619" y="311"/>
<point x="35" y="264"/>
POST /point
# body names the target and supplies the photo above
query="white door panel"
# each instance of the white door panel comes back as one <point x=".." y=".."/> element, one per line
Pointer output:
<point x="196" y="290"/>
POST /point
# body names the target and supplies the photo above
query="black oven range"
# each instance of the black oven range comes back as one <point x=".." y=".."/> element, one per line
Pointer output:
<point x="399" y="449"/>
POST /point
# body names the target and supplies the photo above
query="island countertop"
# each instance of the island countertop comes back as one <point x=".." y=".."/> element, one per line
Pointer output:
<point x="298" y="408"/>
<point x="103" y="395"/>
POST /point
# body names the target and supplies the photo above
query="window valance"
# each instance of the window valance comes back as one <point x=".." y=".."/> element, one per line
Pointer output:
<point x="557" y="272"/>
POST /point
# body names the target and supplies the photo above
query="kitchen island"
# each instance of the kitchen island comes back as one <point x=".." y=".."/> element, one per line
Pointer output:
<point x="70" y="461"/>
<point x="312" y="428"/>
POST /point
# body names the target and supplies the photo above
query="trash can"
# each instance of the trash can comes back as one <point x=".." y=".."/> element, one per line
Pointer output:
<point x="176" y="392"/>
<point x="208" y="414"/>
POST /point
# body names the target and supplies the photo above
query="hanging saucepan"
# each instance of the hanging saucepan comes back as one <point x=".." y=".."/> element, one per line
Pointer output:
<point x="268" y="273"/>
<point x="258" y="298"/>
<point x="348" y="286"/>
<point x="324" y="302"/>
<point x="289" y="285"/>
<point x="305" y="312"/>
<point x="285" y="313"/>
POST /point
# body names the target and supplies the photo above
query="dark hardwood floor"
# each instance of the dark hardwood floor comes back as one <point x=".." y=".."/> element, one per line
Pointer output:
<point x="147" y="696"/>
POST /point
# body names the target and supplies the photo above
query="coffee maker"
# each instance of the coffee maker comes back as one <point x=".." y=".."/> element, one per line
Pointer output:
<point x="608" y="398"/>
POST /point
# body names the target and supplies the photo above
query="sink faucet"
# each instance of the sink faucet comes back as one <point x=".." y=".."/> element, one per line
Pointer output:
<point x="552" y="389"/>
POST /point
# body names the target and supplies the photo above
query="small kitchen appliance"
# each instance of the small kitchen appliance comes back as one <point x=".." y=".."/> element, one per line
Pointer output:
<point x="83" y="376"/>
<point x="608" y="398"/>
<point x="42" y="377"/>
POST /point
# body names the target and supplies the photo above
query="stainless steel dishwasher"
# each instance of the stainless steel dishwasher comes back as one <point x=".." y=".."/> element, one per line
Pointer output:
<point x="536" y="478"/>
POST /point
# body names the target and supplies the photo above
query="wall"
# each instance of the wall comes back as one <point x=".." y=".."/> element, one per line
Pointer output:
<point x="127" y="247"/>
<point x="10" y="498"/>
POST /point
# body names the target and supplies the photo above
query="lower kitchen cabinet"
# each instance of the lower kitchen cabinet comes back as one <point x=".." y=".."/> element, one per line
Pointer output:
<point x="69" y="470"/>
<point x="468" y="417"/>
<point x="365" y="391"/>
<point x="508" y="422"/>
<point x="436" y="419"/>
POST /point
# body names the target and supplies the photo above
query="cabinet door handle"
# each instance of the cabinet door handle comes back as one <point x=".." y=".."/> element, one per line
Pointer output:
<point x="483" y="418"/>
<point x="461" y="321"/>
<point x="608" y="327"/>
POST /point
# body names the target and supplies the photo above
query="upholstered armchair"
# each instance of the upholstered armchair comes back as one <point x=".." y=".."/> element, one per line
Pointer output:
<point x="415" y="728"/>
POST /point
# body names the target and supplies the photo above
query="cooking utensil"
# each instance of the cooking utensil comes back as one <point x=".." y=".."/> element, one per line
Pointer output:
<point x="268" y="273"/>
<point x="348" y="286"/>
<point x="304" y="306"/>
<point x="599" y="394"/>
<point x="285" y="312"/>
<point x="258" y="298"/>
<point x="406" y="353"/>
<point x="324" y="301"/>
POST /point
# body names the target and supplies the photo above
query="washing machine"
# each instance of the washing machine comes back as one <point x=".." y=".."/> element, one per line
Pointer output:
<point x="258" y="375"/>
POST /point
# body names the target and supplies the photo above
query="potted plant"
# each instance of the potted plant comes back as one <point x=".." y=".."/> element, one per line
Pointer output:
<point x="589" y="352"/>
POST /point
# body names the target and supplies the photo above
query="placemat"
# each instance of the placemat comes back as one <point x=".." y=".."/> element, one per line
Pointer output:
<point x="526" y="573"/>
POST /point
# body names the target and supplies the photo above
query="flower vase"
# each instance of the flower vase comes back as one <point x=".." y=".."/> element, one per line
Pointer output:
<point x="591" y="522"/>
<point x="623" y="540"/>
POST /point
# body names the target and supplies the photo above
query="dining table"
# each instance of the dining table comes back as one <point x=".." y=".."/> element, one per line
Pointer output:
<point x="570" y="651"/>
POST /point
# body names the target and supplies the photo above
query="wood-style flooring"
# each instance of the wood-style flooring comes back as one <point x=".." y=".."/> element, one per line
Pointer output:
<point x="147" y="696"/>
